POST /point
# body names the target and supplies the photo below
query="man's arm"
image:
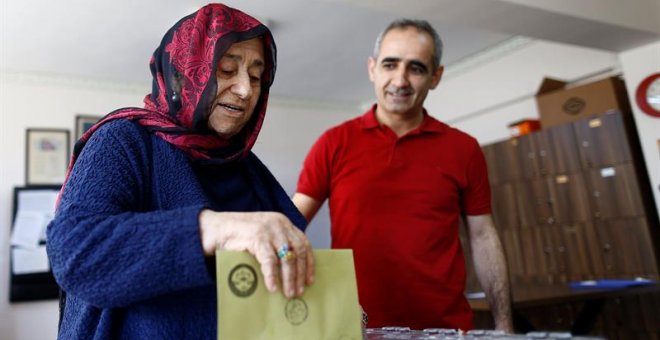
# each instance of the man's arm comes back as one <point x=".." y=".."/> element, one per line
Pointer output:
<point x="491" y="268"/>
<point x="308" y="206"/>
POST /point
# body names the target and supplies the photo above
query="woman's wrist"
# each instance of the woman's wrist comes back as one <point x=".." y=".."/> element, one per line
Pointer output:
<point x="210" y="231"/>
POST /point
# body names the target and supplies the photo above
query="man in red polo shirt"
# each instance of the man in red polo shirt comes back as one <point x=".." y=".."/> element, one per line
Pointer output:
<point x="398" y="180"/>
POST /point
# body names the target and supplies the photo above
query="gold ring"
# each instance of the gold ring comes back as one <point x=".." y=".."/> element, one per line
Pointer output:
<point x="289" y="256"/>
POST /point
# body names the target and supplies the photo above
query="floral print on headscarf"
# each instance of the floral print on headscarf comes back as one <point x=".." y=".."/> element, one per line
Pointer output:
<point x="184" y="85"/>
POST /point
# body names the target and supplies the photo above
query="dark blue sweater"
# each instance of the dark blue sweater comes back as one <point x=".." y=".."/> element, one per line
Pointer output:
<point x="125" y="242"/>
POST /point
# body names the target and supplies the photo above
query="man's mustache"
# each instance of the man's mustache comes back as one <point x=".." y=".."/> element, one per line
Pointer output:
<point x="402" y="91"/>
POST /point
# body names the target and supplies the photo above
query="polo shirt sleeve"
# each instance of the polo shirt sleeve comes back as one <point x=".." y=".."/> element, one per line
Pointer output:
<point x="314" y="179"/>
<point x="476" y="197"/>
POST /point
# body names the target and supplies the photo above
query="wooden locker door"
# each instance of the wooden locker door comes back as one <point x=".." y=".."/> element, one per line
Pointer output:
<point x="614" y="192"/>
<point x="526" y="204"/>
<point x="534" y="203"/>
<point x="642" y="255"/>
<point x="532" y="255"/>
<point x="577" y="257"/>
<point x="602" y="140"/>
<point x="559" y="252"/>
<point x="490" y="154"/>
<point x="596" y="250"/>
<point x="504" y="208"/>
<point x="557" y="150"/>
<point x="631" y="253"/>
<point x="550" y="258"/>
<point x="507" y="161"/>
<point x="606" y="249"/>
<point x="569" y="198"/>
<point x="514" y="255"/>
<point x="528" y="156"/>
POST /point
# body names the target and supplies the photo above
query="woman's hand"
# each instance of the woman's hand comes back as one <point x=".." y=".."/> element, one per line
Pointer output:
<point x="262" y="234"/>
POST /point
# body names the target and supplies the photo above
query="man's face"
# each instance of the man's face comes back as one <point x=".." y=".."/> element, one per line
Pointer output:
<point x="239" y="87"/>
<point x="403" y="72"/>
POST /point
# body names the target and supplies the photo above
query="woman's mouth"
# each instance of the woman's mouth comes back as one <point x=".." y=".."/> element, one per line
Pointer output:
<point x="232" y="108"/>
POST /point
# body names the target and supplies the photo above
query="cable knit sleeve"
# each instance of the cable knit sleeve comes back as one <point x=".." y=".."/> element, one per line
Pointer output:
<point x="109" y="243"/>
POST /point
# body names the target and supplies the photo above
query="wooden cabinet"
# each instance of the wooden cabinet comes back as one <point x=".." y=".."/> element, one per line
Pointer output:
<point x="573" y="202"/>
<point x="626" y="249"/>
<point x="505" y="211"/>
<point x="558" y="150"/>
<point x="614" y="192"/>
<point x="568" y="198"/>
<point x="603" y="140"/>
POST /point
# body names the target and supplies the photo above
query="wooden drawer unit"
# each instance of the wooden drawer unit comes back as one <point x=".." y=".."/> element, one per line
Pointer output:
<point x="499" y="157"/>
<point x="557" y="151"/>
<point x="573" y="202"/>
<point x="602" y="140"/>
<point x="614" y="192"/>
<point x="569" y="198"/>
<point x="626" y="248"/>
<point x="534" y="203"/>
<point x="504" y="206"/>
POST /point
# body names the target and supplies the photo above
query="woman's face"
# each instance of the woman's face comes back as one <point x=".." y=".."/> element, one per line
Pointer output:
<point x="239" y="86"/>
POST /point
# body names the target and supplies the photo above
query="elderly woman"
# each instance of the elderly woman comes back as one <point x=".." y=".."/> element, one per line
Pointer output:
<point x="152" y="192"/>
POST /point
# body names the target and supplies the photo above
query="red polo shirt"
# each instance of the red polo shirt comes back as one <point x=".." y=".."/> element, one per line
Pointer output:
<point x="397" y="202"/>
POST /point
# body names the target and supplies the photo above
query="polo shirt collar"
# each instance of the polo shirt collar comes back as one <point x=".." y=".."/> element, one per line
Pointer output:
<point x="429" y="124"/>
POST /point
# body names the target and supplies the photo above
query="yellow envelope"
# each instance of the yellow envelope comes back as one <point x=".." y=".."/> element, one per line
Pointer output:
<point x="328" y="309"/>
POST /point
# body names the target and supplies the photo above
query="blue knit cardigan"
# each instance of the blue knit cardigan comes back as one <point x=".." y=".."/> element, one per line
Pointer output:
<point x="125" y="242"/>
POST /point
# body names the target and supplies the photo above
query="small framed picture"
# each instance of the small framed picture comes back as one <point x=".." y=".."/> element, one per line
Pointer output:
<point x="83" y="123"/>
<point x="47" y="156"/>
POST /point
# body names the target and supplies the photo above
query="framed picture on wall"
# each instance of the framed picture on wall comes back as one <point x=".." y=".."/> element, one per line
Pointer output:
<point x="83" y="123"/>
<point x="47" y="156"/>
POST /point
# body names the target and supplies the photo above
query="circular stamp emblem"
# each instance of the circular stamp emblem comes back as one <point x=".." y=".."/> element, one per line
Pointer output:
<point x="243" y="280"/>
<point x="296" y="311"/>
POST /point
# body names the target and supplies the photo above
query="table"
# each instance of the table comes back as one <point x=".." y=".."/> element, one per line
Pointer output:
<point x="594" y="299"/>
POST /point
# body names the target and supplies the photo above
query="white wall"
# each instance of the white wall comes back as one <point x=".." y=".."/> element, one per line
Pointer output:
<point x="28" y="101"/>
<point x="485" y="99"/>
<point x="637" y="64"/>
<point x="289" y="131"/>
<point x="52" y="102"/>
<point x="502" y="91"/>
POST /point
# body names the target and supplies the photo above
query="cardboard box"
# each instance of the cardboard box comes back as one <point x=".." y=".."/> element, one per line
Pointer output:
<point x="523" y="127"/>
<point x="559" y="104"/>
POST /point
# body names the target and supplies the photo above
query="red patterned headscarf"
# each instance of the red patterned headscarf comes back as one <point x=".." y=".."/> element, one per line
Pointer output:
<point x="184" y="85"/>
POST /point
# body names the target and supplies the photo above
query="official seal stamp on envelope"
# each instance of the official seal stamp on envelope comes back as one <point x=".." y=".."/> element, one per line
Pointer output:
<point x="243" y="280"/>
<point x="296" y="311"/>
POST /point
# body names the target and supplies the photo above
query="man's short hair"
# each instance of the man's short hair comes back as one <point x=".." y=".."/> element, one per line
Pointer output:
<point x="420" y="25"/>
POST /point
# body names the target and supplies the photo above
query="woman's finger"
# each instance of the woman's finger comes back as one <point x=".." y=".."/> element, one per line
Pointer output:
<point x="309" y="273"/>
<point x="288" y="270"/>
<point x="269" y="265"/>
<point x="306" y="257"/>
<point x="301" y="249"/>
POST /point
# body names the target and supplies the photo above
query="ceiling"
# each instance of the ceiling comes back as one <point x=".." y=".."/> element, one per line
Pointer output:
<point x="323" y="45"/>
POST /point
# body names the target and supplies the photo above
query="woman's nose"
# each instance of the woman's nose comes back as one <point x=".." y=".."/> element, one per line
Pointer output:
<point x="242" y="87"/>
